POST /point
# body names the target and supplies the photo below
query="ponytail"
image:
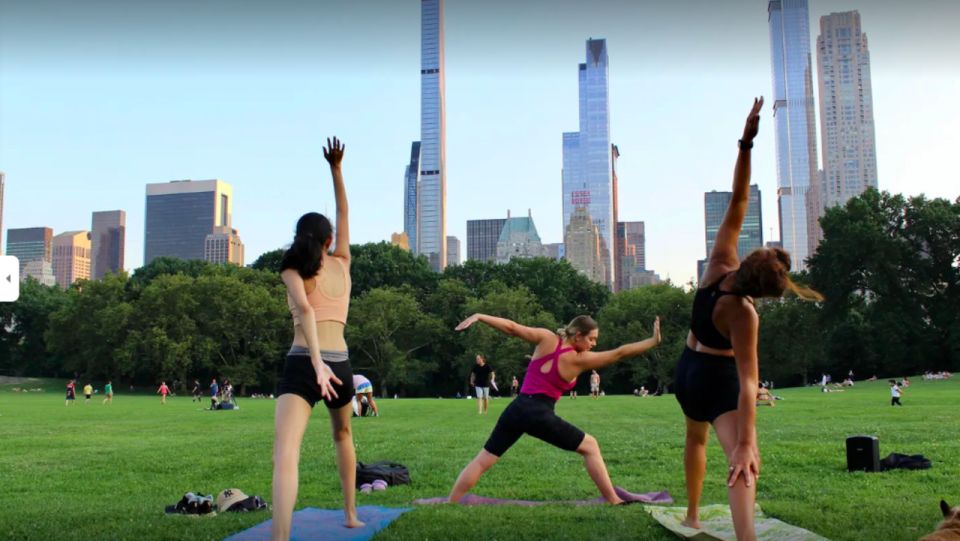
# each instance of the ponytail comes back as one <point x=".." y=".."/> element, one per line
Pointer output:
<point x="580" y="324"/>
<point x="305" y="255"/>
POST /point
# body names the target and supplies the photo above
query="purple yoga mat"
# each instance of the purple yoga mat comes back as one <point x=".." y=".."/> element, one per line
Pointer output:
<point x="625" y="495"/>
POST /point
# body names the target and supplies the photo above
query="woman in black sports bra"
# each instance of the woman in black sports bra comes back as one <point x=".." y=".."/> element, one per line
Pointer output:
<point x="716" y="379"/>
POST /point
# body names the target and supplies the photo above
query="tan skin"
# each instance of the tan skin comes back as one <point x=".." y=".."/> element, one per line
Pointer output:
<point x="292" y="411"/>
<point x="736" y="318"/>
<point x="570" y="365"/>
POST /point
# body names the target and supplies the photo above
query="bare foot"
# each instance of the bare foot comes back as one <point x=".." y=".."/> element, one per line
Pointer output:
<point x="691" y="523"/>
<point x="616" y="501"/>
<point x="353" y="523"/>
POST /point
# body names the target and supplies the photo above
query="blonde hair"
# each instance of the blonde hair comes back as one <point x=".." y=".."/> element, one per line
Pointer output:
<point x="580" y="324"/>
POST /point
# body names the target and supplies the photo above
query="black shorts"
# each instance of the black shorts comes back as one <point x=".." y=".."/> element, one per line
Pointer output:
<point x="300" y="378"/>
<point x="534" y="415"/>
<point x="707" y="386"/>
<point x="88" y="396"/>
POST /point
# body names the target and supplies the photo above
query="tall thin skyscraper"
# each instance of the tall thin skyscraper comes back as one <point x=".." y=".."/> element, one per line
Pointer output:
<point x="587" y="168"/>
<point x="846" y="109"/>
<point x="751" y="234"/>
<point x="108" y="236"/>
<point x="619" y="241"/>
<point x="631" y="241"/>
<point x="410" y="184"/>
<point x="2" y="183"/>
<point x="432" y="193"/>
<point x="453" y="250"/>
<point x="793" y="113"/>
<point x="180" y="215"/>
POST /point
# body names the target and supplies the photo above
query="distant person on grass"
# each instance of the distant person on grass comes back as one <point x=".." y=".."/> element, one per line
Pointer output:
<point x="71" y="392"/>
<point x="195" y="392"/>
<point x="594" y="384"/>
<point x="214" y="392"/>
<point x="558" y="359"/>
<point x="87" y="393"/>
<point x="108" y="391"/>
<point x="364" y="389"/>
<point x="514" y="386"/>
<point x="716" y="377"/>
<point x="895" y="393"/>
<point x="480" y="378"/>
<point x="317" y="366"/>
<point x="164" y="391"/>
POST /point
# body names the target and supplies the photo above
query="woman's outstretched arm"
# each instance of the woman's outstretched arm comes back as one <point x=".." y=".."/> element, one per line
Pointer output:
<point x="512" y="328"/>
<point x="725" y="246"/>
<point x="589" y="360"/>
<point x="333" y="153"/>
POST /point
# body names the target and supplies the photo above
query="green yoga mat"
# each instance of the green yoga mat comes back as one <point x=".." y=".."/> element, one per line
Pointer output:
<point x="716" y="524"/>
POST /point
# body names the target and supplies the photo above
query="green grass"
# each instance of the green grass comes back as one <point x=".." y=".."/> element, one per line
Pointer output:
<point x="105" y="472"/>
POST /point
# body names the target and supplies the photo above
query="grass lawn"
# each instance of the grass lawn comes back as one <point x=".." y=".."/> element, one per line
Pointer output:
<point x="106" y="472"/>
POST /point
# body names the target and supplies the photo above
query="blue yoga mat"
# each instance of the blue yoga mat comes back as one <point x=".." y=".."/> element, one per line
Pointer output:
<point x="312" y="523"/>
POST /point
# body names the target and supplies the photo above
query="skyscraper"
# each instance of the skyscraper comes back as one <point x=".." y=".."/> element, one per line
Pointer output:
<point x="631" y="241"/>
<point x="71" y="257"/>
<point x="619" y="242"/>
<point x="453" y="250"/>
<point x="2" y="183"/>
<point x="581" y="241"/>
<point x="519" y="238"/>
<point x="482" y="237"/>
<point x="108" y="238"/>
<point x="223" y="245"/>
<point x="751" y="234"/>
<point x="432" y="191"/>
<point x="846" y="109"/>
<point x="180" y="215"/>
<point x="587" y="167"/>
<point x="31" y="244"/>
<point x="410" y="184"/>
<point x="793" y="113"/>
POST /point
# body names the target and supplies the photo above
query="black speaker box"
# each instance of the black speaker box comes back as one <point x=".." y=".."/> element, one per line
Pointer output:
<point x="863" y="453"/>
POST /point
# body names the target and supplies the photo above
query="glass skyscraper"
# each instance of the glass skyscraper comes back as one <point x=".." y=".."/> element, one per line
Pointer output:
<point x="180" y="215"/>
<point x="410" y="185"/>
<point x="482" y="237"/>
<point x="793" y="112"/>
<point x="108" y="236"/>
<point x="2" y="182"/>
<point x="751" y="234"/>
<point x="587" y="167"/>
<point x="431" y="234"/>
<point x="846" y="109"/>
<point x="29" y="245"/>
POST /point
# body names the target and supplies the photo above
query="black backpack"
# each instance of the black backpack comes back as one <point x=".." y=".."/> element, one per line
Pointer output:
<point x="391" y="472"/>
<point x="907" y="462"/>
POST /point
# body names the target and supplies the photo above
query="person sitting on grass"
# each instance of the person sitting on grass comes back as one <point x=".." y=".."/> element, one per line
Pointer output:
<point x="764" y="398"/>
<point x="558" y="359"/>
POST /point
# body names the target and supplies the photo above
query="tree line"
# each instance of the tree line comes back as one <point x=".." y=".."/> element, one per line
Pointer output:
<point x="888" y="266"/>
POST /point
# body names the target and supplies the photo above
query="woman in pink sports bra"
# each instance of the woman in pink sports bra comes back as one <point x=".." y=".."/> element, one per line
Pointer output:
<point x="557" y="361"/>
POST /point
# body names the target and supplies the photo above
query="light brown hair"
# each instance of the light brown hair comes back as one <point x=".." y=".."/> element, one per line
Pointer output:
<point x="579" y="324"/>
<point x="766" y="273"/>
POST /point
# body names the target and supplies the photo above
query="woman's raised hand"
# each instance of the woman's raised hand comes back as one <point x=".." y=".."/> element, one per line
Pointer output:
<point x="752" y="127"/>
<point x="333" y="152"/>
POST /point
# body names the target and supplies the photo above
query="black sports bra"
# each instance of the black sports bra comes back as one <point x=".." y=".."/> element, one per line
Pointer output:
<point x="701" y="321"/>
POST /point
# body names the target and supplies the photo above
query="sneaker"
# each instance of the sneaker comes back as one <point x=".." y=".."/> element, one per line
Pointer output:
<point x="366" y="488"/>
<point x="379" y="485"/>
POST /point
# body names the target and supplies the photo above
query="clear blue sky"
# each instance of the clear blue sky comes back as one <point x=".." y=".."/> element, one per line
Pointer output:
<point x="99" y="98"/>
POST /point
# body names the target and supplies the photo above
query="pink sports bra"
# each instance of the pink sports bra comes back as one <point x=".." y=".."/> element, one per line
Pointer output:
<point x="549" y="384"/>
<point x="326" y="308"/>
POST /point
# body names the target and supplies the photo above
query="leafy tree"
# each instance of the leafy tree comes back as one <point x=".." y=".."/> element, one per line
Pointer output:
<point x="791" y="342"/>
<point x="269" y="261"/>
<point x="23" y="347"/>
<point x="385" y="265"/>
<point x="93" y="322"/>
<point x="387" y="334"/>
<point x="628" y="317"/>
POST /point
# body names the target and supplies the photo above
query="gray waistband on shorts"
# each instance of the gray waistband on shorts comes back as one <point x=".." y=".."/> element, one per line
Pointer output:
<point x="327" y="356"/>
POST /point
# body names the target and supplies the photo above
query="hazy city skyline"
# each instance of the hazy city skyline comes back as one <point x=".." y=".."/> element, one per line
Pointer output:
<point x="99" y="101"/>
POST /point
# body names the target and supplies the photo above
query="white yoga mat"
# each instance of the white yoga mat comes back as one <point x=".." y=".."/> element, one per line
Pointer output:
<point x="716" y="524"/>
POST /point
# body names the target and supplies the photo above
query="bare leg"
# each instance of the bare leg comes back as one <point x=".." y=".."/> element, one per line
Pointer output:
<point x="741" y="496"/>
<point x="593" y="462"/>
<point x="471" y="474"/>
<point x="695" y="468"/>
<point x="486" y="403"/>
<point x="292" y="414"/>
<point x="346" y="462"/>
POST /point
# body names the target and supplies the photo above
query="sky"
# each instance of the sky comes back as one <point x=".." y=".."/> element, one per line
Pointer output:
<point x="99" y="98"/>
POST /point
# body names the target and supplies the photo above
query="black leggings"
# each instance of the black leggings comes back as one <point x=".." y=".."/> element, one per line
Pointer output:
<point x="532" y="414"/>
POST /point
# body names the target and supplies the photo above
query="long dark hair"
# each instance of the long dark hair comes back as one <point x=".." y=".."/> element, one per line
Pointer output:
<point x="305" y="255"/>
